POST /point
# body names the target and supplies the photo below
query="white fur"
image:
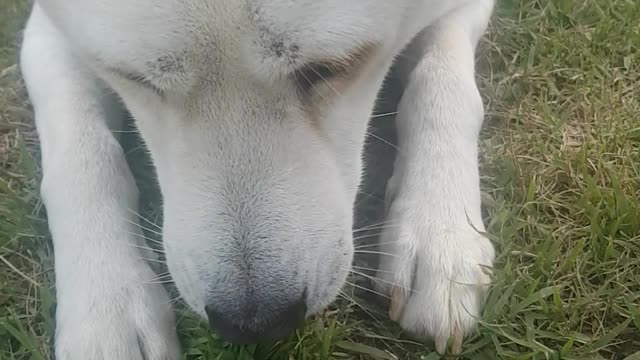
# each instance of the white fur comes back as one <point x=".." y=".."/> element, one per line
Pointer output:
<point x="258" y="189"/>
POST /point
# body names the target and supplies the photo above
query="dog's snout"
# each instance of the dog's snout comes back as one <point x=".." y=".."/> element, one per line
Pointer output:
<point x="259" y="324"/>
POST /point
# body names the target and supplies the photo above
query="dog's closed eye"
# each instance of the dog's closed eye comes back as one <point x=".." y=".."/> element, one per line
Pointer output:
<point x="313" y="74"/>
<point x="319" y="72"/>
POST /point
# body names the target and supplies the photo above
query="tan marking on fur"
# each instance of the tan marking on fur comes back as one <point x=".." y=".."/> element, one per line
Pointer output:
<point x="345" y="70"/>
<point x="349" y="62"/>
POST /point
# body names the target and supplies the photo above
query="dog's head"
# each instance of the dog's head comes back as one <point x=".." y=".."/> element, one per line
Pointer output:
<point x="255" y="115"/>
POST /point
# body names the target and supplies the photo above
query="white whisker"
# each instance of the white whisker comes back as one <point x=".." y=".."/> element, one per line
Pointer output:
<point x="124" y="131"/>
<point x="375" y="252"/>
<point x="376" y="244"/>
<point x="145" y="219"/>
<point x="371" y="269"/>
<point x="367" y="289"/>
<point x="170" y="281"/>
<point x="166" y="277"/>
<point x="382" y="280"/>
<point x="153" y="260"/>
<point x="381" y="225"/>
<point x="162" y="274"/>
<point x="362" y="307"/>
<point x="134" y="149"/>
<point x="325" y="81"/>
<point x="146" y="248"/>
<point x="146" y="238"/>
<point x="383" y="140"/>
<point x="375" y="116"/>
<point x="371" y="196"/>
<point x="366" y="236"/>
<point x="143" y="227"/>
<point x="176" y="300"/>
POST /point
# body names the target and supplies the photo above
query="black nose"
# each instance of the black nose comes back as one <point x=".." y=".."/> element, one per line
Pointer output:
<point x="257" y="326"/>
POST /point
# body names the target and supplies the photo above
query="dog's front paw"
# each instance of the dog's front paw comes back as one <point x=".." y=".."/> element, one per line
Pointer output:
<point x="114" y="313"/>
<point x="435" y="268"/>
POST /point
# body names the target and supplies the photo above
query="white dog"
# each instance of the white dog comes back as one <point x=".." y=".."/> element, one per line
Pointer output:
<point x="255" y="114"/>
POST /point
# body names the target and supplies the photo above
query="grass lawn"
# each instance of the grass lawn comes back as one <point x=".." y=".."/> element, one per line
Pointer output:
<point x="561" y="180"/>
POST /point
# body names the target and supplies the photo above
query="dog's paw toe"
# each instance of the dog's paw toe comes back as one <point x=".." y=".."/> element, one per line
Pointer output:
<point x="116" y="319"/>
<point x="436" y="278"/>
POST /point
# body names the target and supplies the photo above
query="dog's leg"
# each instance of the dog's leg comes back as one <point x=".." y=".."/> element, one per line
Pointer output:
<point x="109" y="305"/>
<point x="432" y="249"/>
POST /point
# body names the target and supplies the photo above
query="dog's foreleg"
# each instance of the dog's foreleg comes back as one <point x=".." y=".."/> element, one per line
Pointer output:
<point x="438" y="257"/>
<point x="109" y="306"/>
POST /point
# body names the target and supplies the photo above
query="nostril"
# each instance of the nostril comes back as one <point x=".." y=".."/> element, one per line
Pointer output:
<point x="266" y="326"/>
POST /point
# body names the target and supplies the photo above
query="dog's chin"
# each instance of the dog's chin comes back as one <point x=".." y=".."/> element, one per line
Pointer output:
<point x="188" y="290"/>
<point x="327" y="289"/>
<point x="329" y="294"/>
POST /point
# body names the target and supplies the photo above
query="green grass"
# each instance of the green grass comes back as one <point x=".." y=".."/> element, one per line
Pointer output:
<point x="561" y="179"/>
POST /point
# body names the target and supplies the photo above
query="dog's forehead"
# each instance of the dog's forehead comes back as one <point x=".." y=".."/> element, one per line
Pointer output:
<point x="156" y="36"/>
<point x="322" y="28"/>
